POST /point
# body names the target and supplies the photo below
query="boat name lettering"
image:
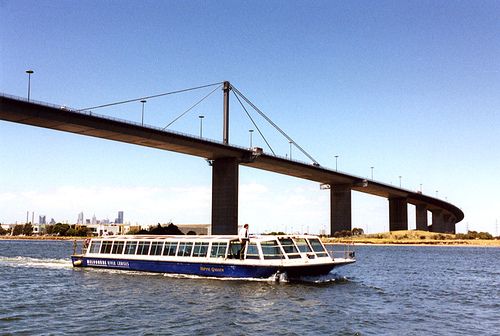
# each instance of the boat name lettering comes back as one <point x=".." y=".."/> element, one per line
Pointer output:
<point x="109" y="263"/>
<point x="211" y="269"/>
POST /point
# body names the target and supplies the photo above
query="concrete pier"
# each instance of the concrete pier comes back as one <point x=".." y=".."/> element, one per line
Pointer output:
<point x="437" y="221"/>
<point x="398" y="213"/>
<point x="421" y="217"/>
<point x="340" y="208"/>
<point x="225" y="175"/>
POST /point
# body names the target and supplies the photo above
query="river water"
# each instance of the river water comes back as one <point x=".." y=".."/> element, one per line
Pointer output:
<point x="391" y="290"/>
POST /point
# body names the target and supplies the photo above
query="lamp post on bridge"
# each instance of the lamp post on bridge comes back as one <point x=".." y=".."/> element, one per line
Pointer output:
<point x="201" y="125"/>
<point x="336" y="158"/>
<point x="29" y="72"/>
<point x="251" y="132"/>
<point x="290" y="150"/>
<point x="372" y="171"/>
<point x="142" y="115"/>
<point x="400" y="181"/>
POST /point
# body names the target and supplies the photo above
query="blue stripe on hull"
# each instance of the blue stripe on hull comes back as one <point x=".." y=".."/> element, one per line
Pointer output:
<point x="201" y="269"/>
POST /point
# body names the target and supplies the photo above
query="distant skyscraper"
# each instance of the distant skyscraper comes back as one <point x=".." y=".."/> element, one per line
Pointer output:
<point x="80" y="219"/>
<point x="42" y="220"/>
<point x="119" y="220"/>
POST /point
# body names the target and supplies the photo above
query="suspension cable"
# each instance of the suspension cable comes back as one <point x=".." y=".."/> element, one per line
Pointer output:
<point x="273" y="124"/>
<point x="189" y="109"/>
<point x="148" y="97"/>
<point x="253" y="122"/>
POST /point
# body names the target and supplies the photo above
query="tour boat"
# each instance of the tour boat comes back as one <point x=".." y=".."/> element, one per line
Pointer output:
<point x="263" y="256"/>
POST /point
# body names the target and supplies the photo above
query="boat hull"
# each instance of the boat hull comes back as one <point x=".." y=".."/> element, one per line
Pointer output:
<point x="206" y="269"/>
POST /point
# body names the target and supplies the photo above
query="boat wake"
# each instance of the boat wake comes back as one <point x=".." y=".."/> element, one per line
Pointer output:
<point x="34" y="262"/>
<point x="330" y="278"/>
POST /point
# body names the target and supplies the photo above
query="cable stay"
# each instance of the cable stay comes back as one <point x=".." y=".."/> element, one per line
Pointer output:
<point x="189" y="109"/>
<point x="253" y="122"/>
<point x="237" y="92"/>
<point x="148" y="97"/>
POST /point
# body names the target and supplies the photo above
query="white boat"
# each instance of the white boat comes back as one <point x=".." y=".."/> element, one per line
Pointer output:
<point x="291" y="256"/>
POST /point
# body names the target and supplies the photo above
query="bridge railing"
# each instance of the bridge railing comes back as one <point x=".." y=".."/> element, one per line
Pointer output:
<point x="107" y="117"/>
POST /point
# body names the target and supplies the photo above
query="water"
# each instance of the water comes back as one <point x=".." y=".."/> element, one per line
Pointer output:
<point x="391" y="290"/>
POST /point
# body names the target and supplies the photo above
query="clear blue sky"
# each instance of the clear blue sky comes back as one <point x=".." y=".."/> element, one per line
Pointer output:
<point x="411" y="88"/>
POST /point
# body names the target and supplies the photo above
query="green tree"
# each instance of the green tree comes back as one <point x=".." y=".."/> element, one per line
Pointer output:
<point x="18" y="230"/>
<point x="61" y="229"/>
<point x="3" y="232"/>
<point x="357" y="231"/>
<point x="27" y="229"/>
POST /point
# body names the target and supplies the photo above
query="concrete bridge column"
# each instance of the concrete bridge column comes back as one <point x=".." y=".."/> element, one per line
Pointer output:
<point x="340" y="208"/>
<point x="421" y="217"/>
<point x="398" y="214"/>
<point x="225" y="173"/>
<point x="449" y="224"/>
<point x="437" y="221"/>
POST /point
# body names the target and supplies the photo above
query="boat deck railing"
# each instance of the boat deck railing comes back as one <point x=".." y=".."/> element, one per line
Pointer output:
<point x="341" y="251"/>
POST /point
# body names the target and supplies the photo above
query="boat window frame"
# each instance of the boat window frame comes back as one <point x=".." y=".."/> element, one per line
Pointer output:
<point x="252" y="256"/>
<point x="95" y="246"/>
<point x="309" y="249"/>
<point x="265" y="244"/>
<point x="234" y="248"/>
<point x="140" y="250"/>
<point x="217" y="247"/>
<point x="106" y="246"/>
<point x="127" y="251"/>
<point x="157" y="246"/>
<point x="117" y="244"/>
<point x="186" y="248"/>
<point x="290" y="255"/>
<point x="168" y="247"/>
<point x="319" y="253"/>
<point x="200" y="245"/>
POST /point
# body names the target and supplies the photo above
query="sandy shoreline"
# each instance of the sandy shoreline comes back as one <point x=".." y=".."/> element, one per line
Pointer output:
<point x="361" y="241"/>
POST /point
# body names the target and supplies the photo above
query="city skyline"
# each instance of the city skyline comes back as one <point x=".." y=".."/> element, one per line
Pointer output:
<point x="406" y="93"/>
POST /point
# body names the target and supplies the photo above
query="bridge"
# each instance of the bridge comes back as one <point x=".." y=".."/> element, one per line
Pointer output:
<point x="225" y="160"/>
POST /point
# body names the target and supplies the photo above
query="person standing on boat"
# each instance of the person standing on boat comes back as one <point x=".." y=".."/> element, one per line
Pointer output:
<point x="243" y="236"/>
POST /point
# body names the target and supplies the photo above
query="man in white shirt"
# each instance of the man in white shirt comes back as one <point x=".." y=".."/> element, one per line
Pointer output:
<point x="243" y="236"/>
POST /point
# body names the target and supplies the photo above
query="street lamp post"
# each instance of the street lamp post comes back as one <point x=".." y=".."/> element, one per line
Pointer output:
<point x="29" y="72"/>
<point x="290" y="150"/>
<point x="400" y="181"/>
<point x="201" y="125"/>
<point x="251" y="132"/>
<point x="372" y="171"/>
<point x="336" y="159"/>
<point x="142" y="115"/>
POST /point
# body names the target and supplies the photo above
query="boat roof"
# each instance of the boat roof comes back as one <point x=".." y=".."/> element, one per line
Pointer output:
<point x="200" y="237"/>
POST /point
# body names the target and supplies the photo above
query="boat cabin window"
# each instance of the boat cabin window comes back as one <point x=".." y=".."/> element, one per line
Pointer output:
<point x="156" y="248"/>
<point x="200" y="249"/>
<point x="289" y="248"/>
<point x="185" y="249"/>
<point x="302" y="245"/>
<point x="143" y="247"/>
<point x="252" y="251"/>
<point x="271" y="249"/>
<point x="218" y="250"/>
<point x="95" y="246"/>
<point x="318" y="247"/>
<point x="106" y="246"/>
<point x="118" y="247"/>
<point x="234" y="249"/>
<point x="170" y="248"/>
<point x="130" y="247"/>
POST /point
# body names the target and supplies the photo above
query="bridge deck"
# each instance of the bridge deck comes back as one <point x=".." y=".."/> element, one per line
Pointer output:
<point x="85" y="123"/>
